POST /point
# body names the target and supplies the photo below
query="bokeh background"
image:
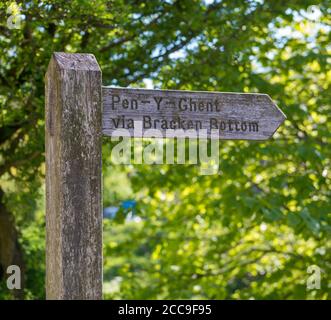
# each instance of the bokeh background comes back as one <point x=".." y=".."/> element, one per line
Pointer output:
<point x="248" y="232"/>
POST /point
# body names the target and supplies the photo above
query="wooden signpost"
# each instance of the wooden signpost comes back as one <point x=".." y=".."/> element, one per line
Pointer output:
<point x="78" y="112"/>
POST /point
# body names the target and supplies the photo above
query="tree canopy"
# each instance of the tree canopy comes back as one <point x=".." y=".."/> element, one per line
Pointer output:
<point x="250" y="231"/>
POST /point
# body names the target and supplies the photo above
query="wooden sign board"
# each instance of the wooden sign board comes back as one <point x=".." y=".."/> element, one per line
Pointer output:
<point x="215" y="115"/>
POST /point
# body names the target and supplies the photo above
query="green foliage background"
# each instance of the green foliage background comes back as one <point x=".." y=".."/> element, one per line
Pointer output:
<point x="249" y="232"/>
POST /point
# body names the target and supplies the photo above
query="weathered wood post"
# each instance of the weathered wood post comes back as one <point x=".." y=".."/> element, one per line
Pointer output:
<point x="73" y="177"/>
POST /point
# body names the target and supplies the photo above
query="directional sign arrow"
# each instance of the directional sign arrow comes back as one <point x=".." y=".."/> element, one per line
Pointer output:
<point x="218" y="115"/>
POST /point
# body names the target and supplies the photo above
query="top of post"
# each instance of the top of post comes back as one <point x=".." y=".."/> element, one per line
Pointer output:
<point x="76" y="61"/>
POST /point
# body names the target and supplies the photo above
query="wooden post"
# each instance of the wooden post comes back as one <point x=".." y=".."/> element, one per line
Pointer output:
<point x="73" y="177"/>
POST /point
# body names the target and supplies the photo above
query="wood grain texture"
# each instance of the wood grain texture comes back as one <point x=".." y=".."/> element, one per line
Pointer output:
<point x="73" y="177"/>
<point x="230" y="115"/>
